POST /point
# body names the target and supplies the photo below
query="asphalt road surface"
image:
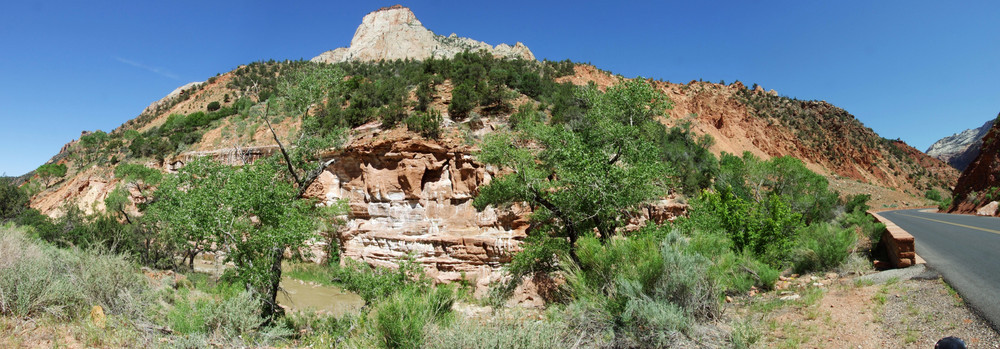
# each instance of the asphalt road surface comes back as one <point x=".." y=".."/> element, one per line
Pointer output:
<point x="964" y="249"/>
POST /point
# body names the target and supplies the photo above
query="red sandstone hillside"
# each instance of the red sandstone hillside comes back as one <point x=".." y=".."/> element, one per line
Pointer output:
<point x="412" y="196"/>
<point x="978" y="189"/>
<point x="827" y="138"/>
<point x="830" y="140"/>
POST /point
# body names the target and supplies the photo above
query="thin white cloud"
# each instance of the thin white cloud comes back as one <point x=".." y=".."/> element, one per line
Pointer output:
<point x="156" y="70"/>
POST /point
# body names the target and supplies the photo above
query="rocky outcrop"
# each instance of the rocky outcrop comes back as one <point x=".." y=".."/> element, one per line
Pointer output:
<point x="960" y="149"/>
<point x="393" y="33"/>
<point x="409" y="196"/>
<point x="979" y="185"/>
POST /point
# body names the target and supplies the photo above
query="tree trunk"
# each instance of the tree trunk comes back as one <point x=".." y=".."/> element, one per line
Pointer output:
<point x="271" y="301"/>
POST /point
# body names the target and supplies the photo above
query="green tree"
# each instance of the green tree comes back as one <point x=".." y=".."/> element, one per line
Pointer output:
<point x="428" y="124"/>
<point x="251" y="212"/>
<point x="213" y="106"/>
<point x="49" y="172"/>
<point x="93" y="140"/>
<point x="141" y="176"/>
<point x="13" y="200"/>
<point x="592" y="176"/>
<point x="463" y="98"/>
<point x="805" y="192"/>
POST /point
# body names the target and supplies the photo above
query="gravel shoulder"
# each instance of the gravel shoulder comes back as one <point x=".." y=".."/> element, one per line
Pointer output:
<point x="898" y="309"/>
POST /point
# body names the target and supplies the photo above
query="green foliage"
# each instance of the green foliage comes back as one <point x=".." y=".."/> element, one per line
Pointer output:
<point x="823" y="246"/>
<point x="932" y="195"/>
<point x="865" y="225"/>
<point x="695" y="165"/>
<point x="213" y="106"/>
<point x="13" y="200"/>
<point x="765" y="229"/>
<point x="945" y="204"/>
<point x="428" y="124"/>
<point x="139" y="174"/>
<point x="249" y="209"/>
<point x="858" y="202"/>
<point x="378" y="283"/>
<point x="48" y="172"/>
<point x="805" y="192"/>
<point x="36" y="278"/>
<point x="760" y="205"/>
<point x="231" y="316"/>
<point x="400" y="320"/>
<point x="93" y="140"/>
<point x="462" y="99"/>
<point x="307" y="86"/>
<point x="649" y="283"/>
<point x="585" y="178"/>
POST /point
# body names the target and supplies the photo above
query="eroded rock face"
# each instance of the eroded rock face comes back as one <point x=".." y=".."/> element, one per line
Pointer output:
<point x="979" y="184"/>
<point x="414" y="197"/>
<point x="960" y="149"/>
<point x="395" y="33"/>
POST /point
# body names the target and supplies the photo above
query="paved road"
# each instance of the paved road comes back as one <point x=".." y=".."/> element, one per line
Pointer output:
<point x="965" y="249"/>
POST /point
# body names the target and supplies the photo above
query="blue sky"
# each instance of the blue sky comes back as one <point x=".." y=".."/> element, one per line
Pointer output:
<point x="915" y="70"/>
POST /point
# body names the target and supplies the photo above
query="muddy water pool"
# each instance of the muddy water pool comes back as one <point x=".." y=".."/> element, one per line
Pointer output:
<point x="298" y="295"/>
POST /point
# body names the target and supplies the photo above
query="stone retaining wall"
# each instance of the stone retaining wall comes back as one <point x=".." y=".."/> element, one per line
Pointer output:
<point x="898" y="243"/>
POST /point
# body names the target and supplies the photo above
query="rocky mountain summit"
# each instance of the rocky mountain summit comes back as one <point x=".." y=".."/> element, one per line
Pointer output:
<point x="392" y="33"/>
<point x="959" y="149"/>
<point x="978" y="189"/>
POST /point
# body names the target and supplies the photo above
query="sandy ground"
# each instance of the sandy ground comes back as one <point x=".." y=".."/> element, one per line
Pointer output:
<point x="847" y="312"/>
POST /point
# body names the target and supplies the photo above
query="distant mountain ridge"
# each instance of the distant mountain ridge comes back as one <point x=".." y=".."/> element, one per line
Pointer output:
<point x="392" y="33"/>
<point x="960" y="149"/>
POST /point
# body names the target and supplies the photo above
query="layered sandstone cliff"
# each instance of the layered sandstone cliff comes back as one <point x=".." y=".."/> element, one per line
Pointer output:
<point x="410" y="196"/>
<point x="393" y="33"/>
<point x="978" y="189"/>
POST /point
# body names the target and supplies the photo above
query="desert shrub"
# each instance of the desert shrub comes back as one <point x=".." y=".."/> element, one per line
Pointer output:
<point x="864" y="225"/>
<point x="504" y="331"/>
<point x="744" y="335"/>
<point x="111" y="281"/>
<point x="463" y="98"/>
<point x="13" y="200"/>
<point x="428" y="124"/>
<point x="213" y="106"/>
<point x="945" y="204"/>
<point x="649" y="283"/>
<point x="236" y="315"/>
<point x="734" y="273"/>
<point x="766" y="229"/>
<point x="695" y="165"/>
<point x="316" y="328"/>
<point x="37" y="278"/>
<point x="400" y="319"/>
<point x="858" y="202"/>
<point x="376" y="283"/>
<point x="823" y="246"/>
<point x="933" y="195"/>
<point x="32" y="282"/>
